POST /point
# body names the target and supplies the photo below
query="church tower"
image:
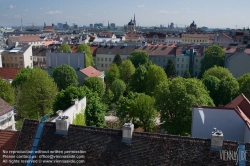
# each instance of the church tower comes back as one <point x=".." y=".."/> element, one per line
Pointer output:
<point x="134" y="19"/>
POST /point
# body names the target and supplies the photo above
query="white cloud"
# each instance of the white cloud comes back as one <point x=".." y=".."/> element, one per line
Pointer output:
<point x="163" y="11"/>
<point x="11" y="7"/>
<point x="4" y="15"/>
<point x="54" y="12"/>
<point x="140" y="6"/>
<point x="88" y="14"/>
<point x="26" y="10"/>
<point x="41" y="8"/>
<point x="175" y="12"/>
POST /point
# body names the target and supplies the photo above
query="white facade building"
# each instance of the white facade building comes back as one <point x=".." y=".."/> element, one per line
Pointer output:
<point x="7" y="120"/>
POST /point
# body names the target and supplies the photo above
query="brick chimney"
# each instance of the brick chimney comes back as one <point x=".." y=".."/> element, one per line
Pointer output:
<point x="127" y="132"/>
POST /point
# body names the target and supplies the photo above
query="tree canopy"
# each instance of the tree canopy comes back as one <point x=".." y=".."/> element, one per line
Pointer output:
<point x="244" y="84"/>
<point x="117" y="60"/>
<point x="21" y="77"/>
<point x="118" y="87"/>
<point x="139" y="58"/>
<point x="6" y="91"/>
<point x="214" y="56"/>
<point x="126" y="69"/>
<point x="228" y="85"/>
<point x="139" y="79"/>
<point x="64" y="76"/>
<point x="175" y="102"/>
<point x="170" y="69"/>
<point x="144" y="111"/>
<point x="112" y="74"/>
<point x="88" y="52"/>
<point x="35" y="97"/>
<point x="186" y="74"/>
<point x="155" y="76"/>
<point x="95" y="84"/>
<point x="64" y="48"/>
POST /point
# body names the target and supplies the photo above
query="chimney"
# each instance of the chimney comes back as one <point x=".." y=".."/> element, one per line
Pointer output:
<point x="217" y="140"/>
<point x="127" y="132"/>
<point x="62" y="123"/>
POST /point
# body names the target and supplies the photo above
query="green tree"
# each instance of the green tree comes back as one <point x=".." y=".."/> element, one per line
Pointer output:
<point x="144" y="111"/>
<point x="112" y="74"/>
<point x="64" y="76"/>
<point x="108" y="97"/>
<point x="155" y="76"/>
<point x="217" y="71"/>
<point x="187" y="74"/>
<point x="175" y="101"/>
<point x="65" y="48"/>
<point x="21" y="77"/>
<point x="65" y="97"/>
<point x="36" y="95"/>
<point x="95" y="84"/>
<point x="80" y="119"/>
<point x="213" y="83"/>
<point x="6" y="91"/>
<point x="214" y="56"/>
<point x="139" y="58"/>
<point x="124" y="111"/>
<point x="118" y="87"/>
<point x="139" y="79"/>
<point x="228" y="90"/>
<point x="170" y="69"/>
<point x="88" y="53"/>
<point x="126" y="69"/>
<point x="244" y="84"/>
<point x="117" y="60"/>
<point x="95" y="112"/>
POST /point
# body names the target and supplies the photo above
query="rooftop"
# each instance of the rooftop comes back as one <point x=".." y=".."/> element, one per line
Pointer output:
<point x="91" y="72"/>
<point x="4" y="107"/>
<point x="9" y="73"/>
<point x="104" y="146"/>
<point x="25" y="38"/>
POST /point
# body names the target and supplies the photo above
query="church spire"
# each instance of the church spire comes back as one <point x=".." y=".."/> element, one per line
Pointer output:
<point x="134" y="19"/>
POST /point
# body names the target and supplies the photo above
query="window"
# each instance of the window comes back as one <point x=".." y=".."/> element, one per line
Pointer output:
<point x="154" y="59"/>
<point x="11" y="57"/>
<point x="196" y="60"/>
<point x="15" y="59"/>
<point x="177" y="65"/>
<point x="159" y="59"/>
<point x="12" y="65"/>
<point x="98" y="65"/>
<point x="181" y="65"/>
<point x="3" y="58"/>
<point x="7" y="65"/>
<point x="177" y="72"/>
<point x="21" y="62"/>
<point x="101" y="59"/>
<point x="196" y="67"/>
<point x="102" y="65"/>
<point x="109" y="59"/>
<point x="20" y="57"/>
<point x="30" y="57"/>
<point x="106" y="65"/>
<point x="178" y="59"/>
<point x="98" y="59"/>
<point x="182" y="59"/>
<point x="181" y="72"/>
<point x="196" y="73"/>
<point x="200" y="40"/>
<point x="106" y="59"/>
<point x="186" y="65"/>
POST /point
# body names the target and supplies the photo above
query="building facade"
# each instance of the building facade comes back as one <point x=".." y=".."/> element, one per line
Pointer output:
<point x="7" y="121"/>
<point x="18" y="57"/>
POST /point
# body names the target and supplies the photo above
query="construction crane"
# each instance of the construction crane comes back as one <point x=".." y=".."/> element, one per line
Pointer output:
<point x="32" y="23"/>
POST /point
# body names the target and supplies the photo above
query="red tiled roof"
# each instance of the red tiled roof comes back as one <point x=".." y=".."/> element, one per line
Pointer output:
<point x="49" y="28"/>
<point x="91" y="72"/>
<point x="9" y="73"/>
<point x="93" y="50"/>
<point x="230" y="50"/>
<point x="8" y="140"/>
<point x="152" y="34"/>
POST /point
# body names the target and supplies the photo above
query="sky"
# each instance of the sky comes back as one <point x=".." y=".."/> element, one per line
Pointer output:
<point x="212" y="13"/>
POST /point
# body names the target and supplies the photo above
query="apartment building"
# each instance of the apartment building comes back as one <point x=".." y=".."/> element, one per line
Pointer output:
<point x="7" y="120"/>
<point x="105" y="54"/>
<point x="197" y="38"/>
<point x="18" y="57"/>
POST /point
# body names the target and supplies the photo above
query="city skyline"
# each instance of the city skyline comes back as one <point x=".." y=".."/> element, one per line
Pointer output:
<point x="212" y="14"/>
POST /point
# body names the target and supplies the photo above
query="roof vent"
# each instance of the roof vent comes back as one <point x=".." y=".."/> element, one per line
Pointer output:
<point x="127" y="132"/>
<point x="62" y="123"/>
<point x="217" y="140"/>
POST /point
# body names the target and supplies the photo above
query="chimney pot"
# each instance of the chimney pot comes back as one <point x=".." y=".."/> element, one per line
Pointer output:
<point x="217" y="140"/>
<point x="127" y="132"/>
